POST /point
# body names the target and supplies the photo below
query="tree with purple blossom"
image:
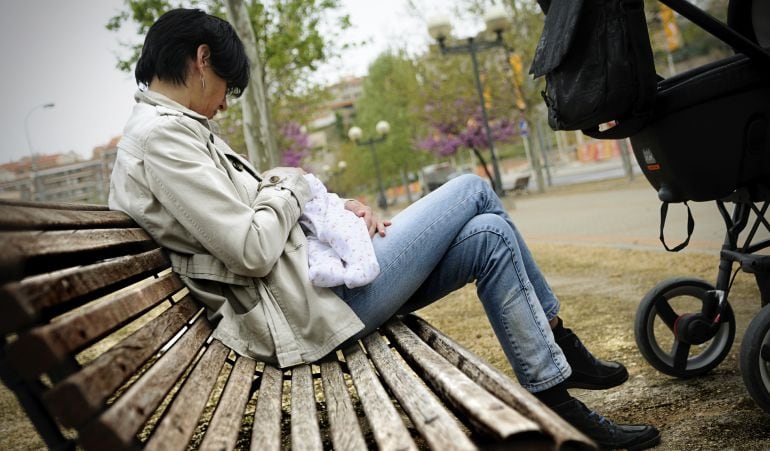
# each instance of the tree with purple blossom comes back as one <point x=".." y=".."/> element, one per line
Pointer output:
<point x="463" y="129"/>
<point x="294" y="144"/>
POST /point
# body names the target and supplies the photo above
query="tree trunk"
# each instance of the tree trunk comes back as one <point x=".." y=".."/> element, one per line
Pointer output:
<point x="260" y="141"/>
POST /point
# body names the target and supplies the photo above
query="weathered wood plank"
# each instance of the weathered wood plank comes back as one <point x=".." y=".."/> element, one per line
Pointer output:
<point x="432" y="419"/>
<point x="499" y="384"/>
<point x="21" y="217"/>
<point x="266" y="431"/>
<point x="223" y="429"/>
<point x="388" y="428"/>
<point x="488" y="414"/>
<point x="116" y="428"/>
<point x="27" y="252"/>
<point x="78" y="397"/>
<point x="44" y="347"/>
<point x="345" y="430"/>
<point x="54" y="205"/>
<point x="305" y="433"/>
<point x="26" y="300"/>
<point x="174" y="431"/>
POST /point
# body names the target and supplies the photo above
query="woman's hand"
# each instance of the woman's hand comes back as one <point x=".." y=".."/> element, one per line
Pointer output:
<point x="374" y="224"/>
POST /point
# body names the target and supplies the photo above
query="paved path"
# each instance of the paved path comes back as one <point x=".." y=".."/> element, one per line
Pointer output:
<point x="623" y="214"/>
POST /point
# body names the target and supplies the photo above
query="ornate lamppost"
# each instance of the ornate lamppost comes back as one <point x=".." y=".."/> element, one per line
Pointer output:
<point x="355" y="134"/>
<point x="33" y="159"/>
<point x="497" y="22"/>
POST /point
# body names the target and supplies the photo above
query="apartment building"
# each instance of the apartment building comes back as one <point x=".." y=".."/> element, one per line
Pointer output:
<point x="60" y="177"/>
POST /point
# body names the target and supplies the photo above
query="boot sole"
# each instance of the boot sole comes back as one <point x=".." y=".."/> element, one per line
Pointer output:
<point x="654" y="441"/>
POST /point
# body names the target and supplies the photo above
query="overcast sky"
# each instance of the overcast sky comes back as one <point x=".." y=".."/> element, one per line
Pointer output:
<point x="59" y="51"/>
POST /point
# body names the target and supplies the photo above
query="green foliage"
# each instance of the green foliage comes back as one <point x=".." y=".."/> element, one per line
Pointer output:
<point x="391" y="92"/>
<point x="293" y="36"/>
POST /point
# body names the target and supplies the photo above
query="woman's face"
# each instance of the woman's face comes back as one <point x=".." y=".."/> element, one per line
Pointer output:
<point x="213" y="94"/>
<point x="207" y="90"/>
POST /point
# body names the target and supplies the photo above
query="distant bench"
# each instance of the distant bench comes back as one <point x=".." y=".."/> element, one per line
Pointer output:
<point x="521" y="184"/>
<point x="105" y="349"/>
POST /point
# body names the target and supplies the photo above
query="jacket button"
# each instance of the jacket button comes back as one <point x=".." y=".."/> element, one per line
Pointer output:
<point x="275" y="179"/>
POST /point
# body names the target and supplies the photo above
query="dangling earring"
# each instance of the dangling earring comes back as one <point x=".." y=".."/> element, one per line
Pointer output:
<point x="203" y="82"/>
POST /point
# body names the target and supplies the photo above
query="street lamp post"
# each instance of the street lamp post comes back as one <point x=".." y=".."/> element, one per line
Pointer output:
<point x="496" y="21"/>
<point x="33" y="162"/>
<point x="355" y="134"/>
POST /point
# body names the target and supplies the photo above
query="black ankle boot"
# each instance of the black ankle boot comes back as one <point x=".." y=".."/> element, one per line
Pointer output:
<point x="604" y="432"/>
<point x="587" y="371"/>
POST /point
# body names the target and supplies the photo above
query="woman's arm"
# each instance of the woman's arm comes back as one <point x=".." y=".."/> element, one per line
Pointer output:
<point x="249" y="239"/>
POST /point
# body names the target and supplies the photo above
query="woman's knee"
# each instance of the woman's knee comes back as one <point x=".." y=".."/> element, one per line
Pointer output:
<point x="488" y="227"/>
<point x="472" y="180"/>
<point x="490" y="221"/>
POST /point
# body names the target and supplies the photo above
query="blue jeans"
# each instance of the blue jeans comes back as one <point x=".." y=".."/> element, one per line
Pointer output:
<point x="455" y="235"/>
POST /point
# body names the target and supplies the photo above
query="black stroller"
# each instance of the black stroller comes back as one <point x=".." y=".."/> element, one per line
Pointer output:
<point x="710" y="141"/>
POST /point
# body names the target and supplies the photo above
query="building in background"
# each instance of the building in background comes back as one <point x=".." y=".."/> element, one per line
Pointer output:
<point x="60" y="177"/>
<point x="332" y="122"/>
<point x="68" y="178"/>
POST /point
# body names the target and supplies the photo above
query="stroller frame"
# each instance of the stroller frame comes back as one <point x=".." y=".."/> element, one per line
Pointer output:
<point x="712" y="329"/>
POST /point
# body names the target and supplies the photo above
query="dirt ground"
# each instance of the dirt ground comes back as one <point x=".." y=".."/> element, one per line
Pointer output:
<point x="600" y="289"/>
<point x="600" y="284"/>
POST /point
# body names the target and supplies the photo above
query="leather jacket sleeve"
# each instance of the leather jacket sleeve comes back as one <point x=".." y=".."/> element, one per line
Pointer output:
<point x="249" y="239"/>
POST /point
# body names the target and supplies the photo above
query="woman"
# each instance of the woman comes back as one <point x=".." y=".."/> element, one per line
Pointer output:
<point x="233" y="237"/>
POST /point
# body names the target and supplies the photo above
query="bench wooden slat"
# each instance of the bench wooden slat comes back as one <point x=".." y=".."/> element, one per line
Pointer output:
<point x="20" y="217"/>
<point x="223" y="429"/>
<point x="488" y="413"/>
<point x="266" y="430"/>
<point x="178" y="424"/>
<point x="26" y="300"/>
<point x="388" y="429"/>
<point x="78" y="397"/>
<point x="29" y="244"/>
<point x="305" y="433"/>
<point x="42" y="348"/>
<point x="27" y="252"/>
<point x="345" y="430"/>
<point x="499" y="384"/>
<point x="116" y="428"/>
<point x="54" y="205"/>
<point x="432" y="419"/>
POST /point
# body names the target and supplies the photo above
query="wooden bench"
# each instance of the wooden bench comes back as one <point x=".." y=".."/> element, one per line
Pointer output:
<point x="105" y="349"/>
<point x="521" y="184"/>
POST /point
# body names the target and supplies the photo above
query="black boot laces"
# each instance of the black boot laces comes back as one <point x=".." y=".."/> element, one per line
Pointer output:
<point x="577" y="344"/>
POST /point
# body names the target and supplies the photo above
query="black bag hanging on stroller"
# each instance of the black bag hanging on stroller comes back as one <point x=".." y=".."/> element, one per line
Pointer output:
<point x="598" y="66"/>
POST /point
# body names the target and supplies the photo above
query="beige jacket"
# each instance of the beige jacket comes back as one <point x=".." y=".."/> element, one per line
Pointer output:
<point x="231" y="233"/>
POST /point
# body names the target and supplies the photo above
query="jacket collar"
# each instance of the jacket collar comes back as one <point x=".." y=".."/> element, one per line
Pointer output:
<point x="159" y="100"/>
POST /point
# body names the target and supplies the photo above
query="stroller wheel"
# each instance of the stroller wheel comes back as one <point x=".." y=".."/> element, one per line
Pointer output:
<point x="755" y="358"/>
<point x="676" y="350"/>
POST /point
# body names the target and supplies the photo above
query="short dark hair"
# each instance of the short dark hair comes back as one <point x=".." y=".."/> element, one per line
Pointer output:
<point x="174" y="39"/>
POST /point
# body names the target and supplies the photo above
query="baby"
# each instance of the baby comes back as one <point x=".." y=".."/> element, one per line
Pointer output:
<point x="339" y="246"/>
